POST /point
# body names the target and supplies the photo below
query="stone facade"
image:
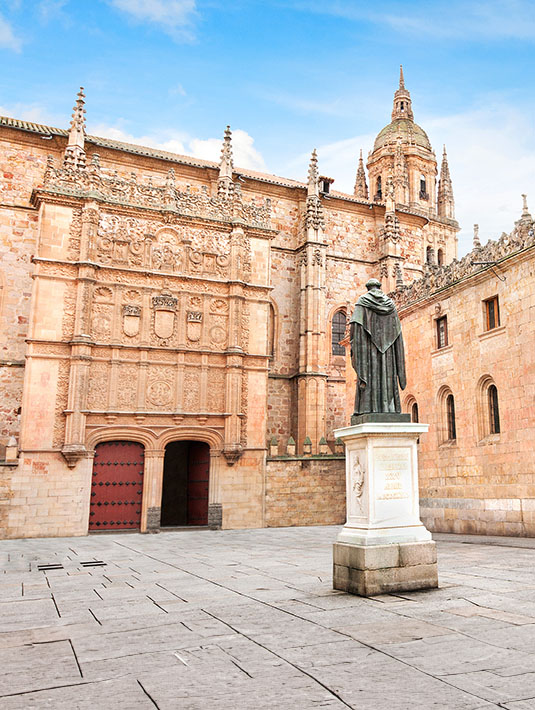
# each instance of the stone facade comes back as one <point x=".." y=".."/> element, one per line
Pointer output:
<point x="151" y="297"/>
<point x="479" y="475"/>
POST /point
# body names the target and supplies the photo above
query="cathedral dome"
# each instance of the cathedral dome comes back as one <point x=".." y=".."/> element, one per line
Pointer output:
<point x="403" y="128"/>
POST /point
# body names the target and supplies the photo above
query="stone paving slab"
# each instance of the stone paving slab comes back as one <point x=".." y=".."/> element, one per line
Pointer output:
<point x="241" y="620"/>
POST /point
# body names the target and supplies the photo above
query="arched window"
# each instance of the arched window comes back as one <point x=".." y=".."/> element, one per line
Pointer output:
<point x="488" y="410"/>
<point x="271" y="331"/>
<point x="450" y="418"/>
<point x="414" y="413"/>
<point x="423" y="188"/>
<point x="429" y="255"/>
<point x="494" y="412"/>
<point x="440" y="257"/>
<point x="338" y="329"/>
<point x="379" y="189"/>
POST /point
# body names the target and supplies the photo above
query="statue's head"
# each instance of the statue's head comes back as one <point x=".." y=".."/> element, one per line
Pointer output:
<point x="373" y="283"/>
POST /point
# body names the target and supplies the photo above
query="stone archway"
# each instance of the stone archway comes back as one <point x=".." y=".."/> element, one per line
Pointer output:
<point x="185" y="489"/>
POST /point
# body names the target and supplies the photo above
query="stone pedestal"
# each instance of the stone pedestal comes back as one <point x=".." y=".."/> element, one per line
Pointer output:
<point x="383" y="547"/>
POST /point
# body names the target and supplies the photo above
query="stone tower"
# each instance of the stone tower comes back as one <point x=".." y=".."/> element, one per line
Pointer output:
<point x="402" y="152"/>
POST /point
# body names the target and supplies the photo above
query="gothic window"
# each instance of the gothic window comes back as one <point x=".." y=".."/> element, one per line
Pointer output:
<point x="338" y="329"/>
<point x="423" y="188"/>
<point x="271" y="331"/>
<point x="494" y="412"/>
<point x="414" y="413"/>
<point x="492" y="313"/>
<point x="442" y="332"/>
<point x="440" y="257"/>
<point x="379" y="189"/>
<point x="450" y="418"/>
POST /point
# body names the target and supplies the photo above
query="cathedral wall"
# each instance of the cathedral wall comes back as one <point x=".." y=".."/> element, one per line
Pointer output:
<point x="480" y="482"/>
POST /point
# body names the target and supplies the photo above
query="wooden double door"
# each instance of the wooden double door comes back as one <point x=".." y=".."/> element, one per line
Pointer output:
<point x="186" y="477"/>
<point x="117" y="486"/>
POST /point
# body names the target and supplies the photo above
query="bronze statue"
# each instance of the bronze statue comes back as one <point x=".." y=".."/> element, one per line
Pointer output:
<point x="377" y="353"/>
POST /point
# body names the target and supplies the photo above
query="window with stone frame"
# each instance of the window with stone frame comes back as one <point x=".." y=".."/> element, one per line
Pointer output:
<point x="379" y="189"/>
<point x="494" y="411"/>
<point x="440" y="257"/>
<point x="423" y="188"/>
<point x="442" y="331"/>
<point x="414" y="413"/>
<point x="492" y="313"/>
<point x="450" y="418"/>
<point x="338" y="329"/>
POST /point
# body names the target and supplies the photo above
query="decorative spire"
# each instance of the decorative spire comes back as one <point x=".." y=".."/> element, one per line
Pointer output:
<point x="313" y="175"/>
<point x="476" y="242"/>
<point x="74" y="152"/>
<point x="226" y="167"/>
<point x="314" y="209"/>
<point x="361" y="187"/>
<point x="445" y="201"/>
<point x="402" y="101"/>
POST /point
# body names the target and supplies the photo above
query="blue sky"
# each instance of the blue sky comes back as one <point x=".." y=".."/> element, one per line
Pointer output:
<point x="288" y="77"/>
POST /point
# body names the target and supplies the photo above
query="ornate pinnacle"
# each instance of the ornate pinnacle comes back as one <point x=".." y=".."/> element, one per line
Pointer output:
<point x="226" y="165"/>
<point x="361" y="187"/>
<point x="313" y="175"/>
<point x="75" y="153"/>
<point x="445" y="201"/>
<point x="476" y="242"/>
<point x="401" y="78"/>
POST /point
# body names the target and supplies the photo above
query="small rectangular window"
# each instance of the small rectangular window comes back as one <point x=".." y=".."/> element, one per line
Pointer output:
<point x="492" y="313"/>
<point x="442" y="332"/>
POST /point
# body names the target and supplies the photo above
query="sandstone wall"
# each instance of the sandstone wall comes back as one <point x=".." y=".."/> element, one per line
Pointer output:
<point x="305" y="492"/>
<point x="480" y="482"/>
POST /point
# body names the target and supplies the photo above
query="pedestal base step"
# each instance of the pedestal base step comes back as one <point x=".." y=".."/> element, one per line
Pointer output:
<point x="382" y="569"/>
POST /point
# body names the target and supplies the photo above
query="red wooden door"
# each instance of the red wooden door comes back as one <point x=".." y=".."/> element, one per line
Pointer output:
<point x="117" y="486"/>
<point x="198" y="477"/>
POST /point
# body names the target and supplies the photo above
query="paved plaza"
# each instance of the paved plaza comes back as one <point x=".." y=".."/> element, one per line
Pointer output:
<point x="233" y="620"/>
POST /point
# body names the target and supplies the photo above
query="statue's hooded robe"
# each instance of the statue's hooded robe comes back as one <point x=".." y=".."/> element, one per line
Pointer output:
<point x="377" y="353"/>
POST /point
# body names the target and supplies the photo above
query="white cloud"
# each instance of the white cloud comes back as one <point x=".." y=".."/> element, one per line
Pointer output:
<point x="175" y="17"/>
<point x="32" y="112"/>
<point x="245" y="153"/>
<point x="457" y="19"/>
<point x="8" y="39"/>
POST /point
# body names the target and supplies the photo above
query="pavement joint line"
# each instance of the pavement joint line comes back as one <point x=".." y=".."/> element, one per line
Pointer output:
<point x="293" y="665"/>
<point x="64" y="685"/>
<point x="76" y="658"/>
<point x="147" y="694"/>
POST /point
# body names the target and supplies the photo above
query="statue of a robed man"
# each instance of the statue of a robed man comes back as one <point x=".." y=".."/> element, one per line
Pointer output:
<point x="377" y="352"/>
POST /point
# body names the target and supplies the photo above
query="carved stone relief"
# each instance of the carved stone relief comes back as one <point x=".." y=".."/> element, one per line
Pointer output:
<point x="127" y="387"/>
<point x="161" y="384"/>
<point x="191" y="401"/>
<point x="62" y="393"/>
<point x="97" y="397"/>
<point x="101" y="322"/>
<point x="216" y="390"/>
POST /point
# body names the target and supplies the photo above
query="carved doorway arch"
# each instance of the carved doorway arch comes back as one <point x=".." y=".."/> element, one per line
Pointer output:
<point x="185" y="491"/>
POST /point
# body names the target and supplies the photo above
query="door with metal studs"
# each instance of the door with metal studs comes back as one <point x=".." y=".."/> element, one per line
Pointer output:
<point x="117" y="486"/>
